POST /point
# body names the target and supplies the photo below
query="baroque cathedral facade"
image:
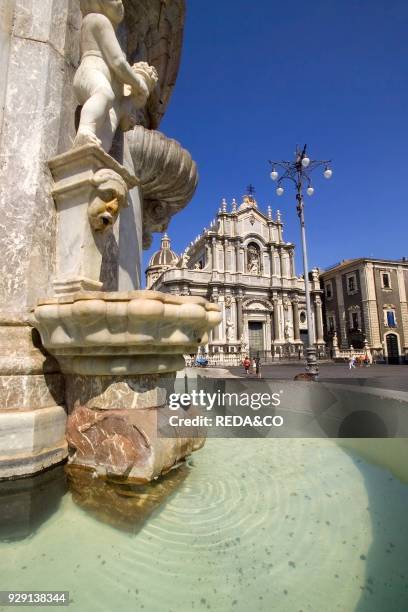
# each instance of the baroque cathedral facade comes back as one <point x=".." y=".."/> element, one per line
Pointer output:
<point x="242" y="263"/>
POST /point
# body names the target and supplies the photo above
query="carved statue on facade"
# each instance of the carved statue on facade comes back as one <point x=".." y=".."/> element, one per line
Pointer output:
<point x="315" y="275"/>
<point x="108" y="88"/>
<point x="287" y="330"/>
<point x="185" y="258"/>
<point x="110" y="196"/>
<point x="229" y="325"/>
<point x="253" y="260"/>
<point x="244" y="344"/>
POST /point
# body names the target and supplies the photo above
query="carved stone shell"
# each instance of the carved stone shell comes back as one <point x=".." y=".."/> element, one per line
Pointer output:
<point x="168" y="177"/>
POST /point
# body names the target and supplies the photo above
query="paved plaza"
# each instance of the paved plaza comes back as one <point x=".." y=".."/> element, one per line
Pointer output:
<point x="379" y="375"/>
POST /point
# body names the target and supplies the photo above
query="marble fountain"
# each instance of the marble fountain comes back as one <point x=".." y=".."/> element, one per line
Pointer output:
<point x="88" y="358"/>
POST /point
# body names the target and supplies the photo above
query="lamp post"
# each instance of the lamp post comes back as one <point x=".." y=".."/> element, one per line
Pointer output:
<point x="298" y="171"/>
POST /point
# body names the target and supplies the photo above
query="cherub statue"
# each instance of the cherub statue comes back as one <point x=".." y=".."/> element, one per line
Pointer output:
<point x="106" y="85"/>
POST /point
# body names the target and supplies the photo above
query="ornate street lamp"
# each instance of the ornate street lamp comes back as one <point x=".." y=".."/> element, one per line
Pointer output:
<point x="298" y="171"/>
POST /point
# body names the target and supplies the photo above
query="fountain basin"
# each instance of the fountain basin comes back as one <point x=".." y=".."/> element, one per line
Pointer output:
<point x="119" y="353"/>
<point x="141" y="332"/>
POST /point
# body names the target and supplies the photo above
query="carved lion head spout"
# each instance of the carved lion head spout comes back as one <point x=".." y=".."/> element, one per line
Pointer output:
<point x="109" y="196"/>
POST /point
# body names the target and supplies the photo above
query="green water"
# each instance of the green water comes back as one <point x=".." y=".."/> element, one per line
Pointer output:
<point x="249" y="525"/>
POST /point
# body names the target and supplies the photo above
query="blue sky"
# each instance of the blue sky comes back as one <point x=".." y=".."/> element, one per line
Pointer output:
<point x="259" y="77"/>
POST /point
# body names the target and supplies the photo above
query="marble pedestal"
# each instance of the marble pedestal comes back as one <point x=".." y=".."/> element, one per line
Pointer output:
<point x="85" y="180"/>
<point x="32" y="414"/>
<point x="119" y="353"/>
<point x="117" y="427"/>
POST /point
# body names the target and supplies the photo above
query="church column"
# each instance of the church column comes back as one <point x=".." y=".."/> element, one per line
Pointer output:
<point x="286" y="319"/>
<point x="264" y="262"/>
<point x="216" y="330"/>
<point x="276" y="317"/>
<point x="319" y="320"/>
<point x="292" y="263"/>
<point x="225" y="245"/>
<point x="210" y="263"/>
<point x="214" y="254"/>
<point x="282" y="264"/>
<point x="237" y="248"/>
<point x="272" y="261"/>
<point x="245" y="330"/>
<point x="271" y="327"/>
<point x="296" y="330"/>
<point x="240" y="329"/>
<point x="268" y="333"/>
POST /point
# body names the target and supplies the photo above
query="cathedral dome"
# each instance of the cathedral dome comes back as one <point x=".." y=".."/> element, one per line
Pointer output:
<point x="164" y="256"/>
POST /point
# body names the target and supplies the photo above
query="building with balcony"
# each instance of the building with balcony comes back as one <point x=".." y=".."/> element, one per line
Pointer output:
<point x="365" y="305"/>
<point x="242" y="262"/>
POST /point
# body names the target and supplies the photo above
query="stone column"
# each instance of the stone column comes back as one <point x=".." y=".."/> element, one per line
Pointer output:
<point x="296" y="330"/>
<point x="237" y="252"/>
<point x="282" y="264"/>
<point x="319" y="320"/>
<point x="276" y="320"/>
<point x="342" y="312"/>
<point x="370" y="319"/>
<point x="336" y="352"/>
<point x="225" y="255"/>
<point x="292" y="263"/>
<point x="239" y="316"/>
<point x="214" y="254"/>
<point x="216" y="330"/>
<point x="404" y="305"/>
<point x="245" y="326"/>
<point x="209" y="257"/>
<point x="268" y="333"/>
<point x="272" y="261"/>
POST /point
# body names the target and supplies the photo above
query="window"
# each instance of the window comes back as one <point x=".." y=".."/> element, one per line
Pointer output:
<point x="390" y="320"/>
<point x="303" y="317"/>
<point x="385" y="280"/>
<point x="354" y="318"/>
<point x="328" y="290"/>
<point x="351" y="280"/>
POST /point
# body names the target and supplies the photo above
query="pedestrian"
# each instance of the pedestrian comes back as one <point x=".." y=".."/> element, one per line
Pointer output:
<point x="352" y="362"/>
<point x="247" y="364"/>
<point x="258" y="367"/>
<point x="254" y="366"/>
